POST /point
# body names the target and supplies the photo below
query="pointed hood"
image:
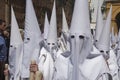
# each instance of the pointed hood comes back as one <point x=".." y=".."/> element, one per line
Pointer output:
<point x="46" y="26"/>
<point x="104" y="42"/>
<point x="15" y="50"/>
<point x="31" y="23"/>
<point x="112" y="37"/>
<point x="32" y="38"/>
<point x="80" y="29"/>
<point x="118" y="38"/>
<point x="119" y="35"/>
<point x="15" y="38"/>
<point x="101" y="2"/>
<point x="52" y="34"/>
<point x="64" y="22"/>
<point x="80" y="23"/>
<point x="99" y="24"/>
<point x="80" y="36"/>
<point x="65" y="30"/>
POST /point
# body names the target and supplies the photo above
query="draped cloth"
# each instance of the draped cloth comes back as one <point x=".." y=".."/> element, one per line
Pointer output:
<point x="46" y="64"/>
<point x="112" y="62"/>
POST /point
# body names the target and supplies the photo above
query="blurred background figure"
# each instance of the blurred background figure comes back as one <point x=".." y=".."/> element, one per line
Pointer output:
<point x="6" y="34"/>
<point x="3" y="49"/>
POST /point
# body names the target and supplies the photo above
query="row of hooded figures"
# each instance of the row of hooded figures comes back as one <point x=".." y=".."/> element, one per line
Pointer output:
<point x="75" y="55"/>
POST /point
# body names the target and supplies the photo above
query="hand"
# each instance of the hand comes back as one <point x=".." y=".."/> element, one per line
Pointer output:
<point x="6" y="33"/>
<point x="6" y="72"/>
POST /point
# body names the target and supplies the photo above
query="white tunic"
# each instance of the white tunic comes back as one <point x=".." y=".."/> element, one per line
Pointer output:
<point x="46" y="64"/>
<point x="112" y="61"/>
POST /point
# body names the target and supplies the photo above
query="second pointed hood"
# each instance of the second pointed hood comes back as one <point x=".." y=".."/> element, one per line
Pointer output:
<point x="80" y="23"/>
<point x="64" y="22"/>
<point x="104" y="42"/>
<point x="52" y="33"/>
<point x="99" y="24"/>
<point x="31" y="24"/>
<point x="15" y="51"/>
<point x="118" y="39"/>
<point x="15" y="38"/>
<point x="46" y="26"/>
<point x="113" y="37"/>
<point x="32" y="38"/>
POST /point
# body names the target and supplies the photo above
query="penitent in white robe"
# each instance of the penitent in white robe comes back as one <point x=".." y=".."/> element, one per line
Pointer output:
<point x="93" y="68"/>
<point x="61" y="66"/>
<point x="112" y="62"/>
<point x="46" y="64"/>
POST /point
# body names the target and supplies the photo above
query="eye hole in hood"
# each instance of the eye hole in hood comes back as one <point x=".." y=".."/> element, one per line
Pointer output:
<point x="72" y="36"/>
<point x="81" y="37"/>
